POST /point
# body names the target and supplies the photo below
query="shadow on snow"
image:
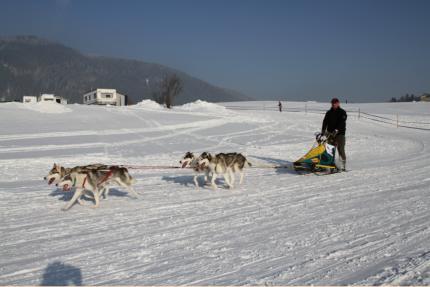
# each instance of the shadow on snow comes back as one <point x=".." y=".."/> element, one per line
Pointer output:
<point x="281" y="166"/>
<point x="60" y="274"/>
<point x="67" y="195"/>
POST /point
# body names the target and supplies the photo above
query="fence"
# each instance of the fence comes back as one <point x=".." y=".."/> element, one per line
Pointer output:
<point x="394" y="120"/>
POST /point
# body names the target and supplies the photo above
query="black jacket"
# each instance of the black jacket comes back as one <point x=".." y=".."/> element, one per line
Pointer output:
<point x="335" y="120"/>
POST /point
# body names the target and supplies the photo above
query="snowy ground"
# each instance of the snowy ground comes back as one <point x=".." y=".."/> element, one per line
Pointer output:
<point x="367" y="226"/>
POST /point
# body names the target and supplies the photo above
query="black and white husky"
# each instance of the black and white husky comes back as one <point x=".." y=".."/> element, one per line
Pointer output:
<point x="189" y="160"/>
<point x="226" y="164"/>
<point x="95" y="181"/>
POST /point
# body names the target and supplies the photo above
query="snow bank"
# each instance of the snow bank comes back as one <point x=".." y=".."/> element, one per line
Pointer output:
<point x="202" y="106"/>
<point x="149" y="104"/>
<point x="46" y="107"/>
<point x="195" y="107"/>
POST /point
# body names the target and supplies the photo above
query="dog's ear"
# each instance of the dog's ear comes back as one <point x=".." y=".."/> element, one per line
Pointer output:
<point x="209" y="157"/>
<point x="58" y="168"/>
<point x="55" y="165"/>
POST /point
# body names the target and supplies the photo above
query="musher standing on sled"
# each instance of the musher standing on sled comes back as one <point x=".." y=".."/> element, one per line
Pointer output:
<point x="335" y="122"/>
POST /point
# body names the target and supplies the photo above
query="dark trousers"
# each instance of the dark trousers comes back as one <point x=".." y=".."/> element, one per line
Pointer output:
<point x="339" y="141"/>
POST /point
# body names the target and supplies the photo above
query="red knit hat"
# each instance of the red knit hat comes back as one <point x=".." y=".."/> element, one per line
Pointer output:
<point x="334" y="100"/>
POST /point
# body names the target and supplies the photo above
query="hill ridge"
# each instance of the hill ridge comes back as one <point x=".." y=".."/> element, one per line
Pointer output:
<point x="30" y="65"/>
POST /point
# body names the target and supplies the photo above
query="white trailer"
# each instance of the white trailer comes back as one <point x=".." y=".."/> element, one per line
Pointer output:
<point x="104" y="97"/>
<point x="52" y="98"/>
<point x="29" y="99"/>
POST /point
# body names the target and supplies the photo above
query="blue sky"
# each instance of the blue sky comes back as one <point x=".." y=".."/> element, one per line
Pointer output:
<point x="356" y="50"/>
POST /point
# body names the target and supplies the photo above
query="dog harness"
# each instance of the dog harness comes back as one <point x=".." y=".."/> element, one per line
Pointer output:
<point x="83" y="183"/>
<point x="109" y="174"/>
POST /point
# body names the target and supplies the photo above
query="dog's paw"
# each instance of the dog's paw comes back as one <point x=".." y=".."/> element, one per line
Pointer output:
<point x="82" y="203"/>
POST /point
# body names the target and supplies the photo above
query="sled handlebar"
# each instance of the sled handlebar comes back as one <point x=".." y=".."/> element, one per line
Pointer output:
<point x="324" y="137"/>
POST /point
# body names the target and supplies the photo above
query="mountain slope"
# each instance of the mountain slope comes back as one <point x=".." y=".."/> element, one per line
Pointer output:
<point x="30" y="66"/>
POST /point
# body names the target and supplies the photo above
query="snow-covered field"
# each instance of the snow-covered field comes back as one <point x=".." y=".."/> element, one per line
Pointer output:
<point x="367" y="226"/>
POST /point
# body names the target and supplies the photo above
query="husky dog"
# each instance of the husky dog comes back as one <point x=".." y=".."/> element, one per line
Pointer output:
<point x="226" y="164"/>
<point x="94" y="180"/>
<point x="118" y="175"/>
<point x="57" y="171"/>
<point x="68" y="182"/>
<point x="189" y="160"/>
<point x="237" y="162"/>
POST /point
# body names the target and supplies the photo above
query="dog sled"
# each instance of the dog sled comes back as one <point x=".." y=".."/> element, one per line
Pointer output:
<point x="321" y="157"/>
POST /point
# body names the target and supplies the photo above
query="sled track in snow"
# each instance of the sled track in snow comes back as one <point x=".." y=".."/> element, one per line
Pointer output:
<point x="367" y="226"/>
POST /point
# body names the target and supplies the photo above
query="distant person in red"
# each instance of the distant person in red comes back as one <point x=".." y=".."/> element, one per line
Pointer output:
<point x="335" y="122"/>
<point x="280" y="106"/>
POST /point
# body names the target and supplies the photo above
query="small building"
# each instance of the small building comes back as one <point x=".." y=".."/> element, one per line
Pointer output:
<point x="105" y="97"/>
<point x="52" y="98"/>
<point x="425" y="98"/>
<point x="44" y="98"/>
<point x="29" y="99"/>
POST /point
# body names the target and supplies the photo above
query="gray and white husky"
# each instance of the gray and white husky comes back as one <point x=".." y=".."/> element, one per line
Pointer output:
<point x="189" y="160"/>
<point x="57" y="171"/>
<point x="226" y="164"/>
<point x="95" y="181"/>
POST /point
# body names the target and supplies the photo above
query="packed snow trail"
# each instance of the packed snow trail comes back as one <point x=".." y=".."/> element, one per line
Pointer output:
<point x="367" y="226"/>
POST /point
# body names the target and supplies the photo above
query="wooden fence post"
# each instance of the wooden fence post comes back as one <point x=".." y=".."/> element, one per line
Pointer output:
<point x="397" y="120"/>
<point x="358" y="113"/>
<point x="306" y="108"/>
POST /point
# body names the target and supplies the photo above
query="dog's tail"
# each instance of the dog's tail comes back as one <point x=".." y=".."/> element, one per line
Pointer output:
<point x="132" y="180"/>
<point x="127" y="175"/>
<point x="248" y="163"/>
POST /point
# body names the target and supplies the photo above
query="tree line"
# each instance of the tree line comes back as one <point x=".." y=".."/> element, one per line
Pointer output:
<point x="170" y="87"/>
<point x="406" y="98"/>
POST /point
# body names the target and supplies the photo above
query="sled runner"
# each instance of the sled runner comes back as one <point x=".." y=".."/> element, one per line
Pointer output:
<point x="320" y="159"/>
